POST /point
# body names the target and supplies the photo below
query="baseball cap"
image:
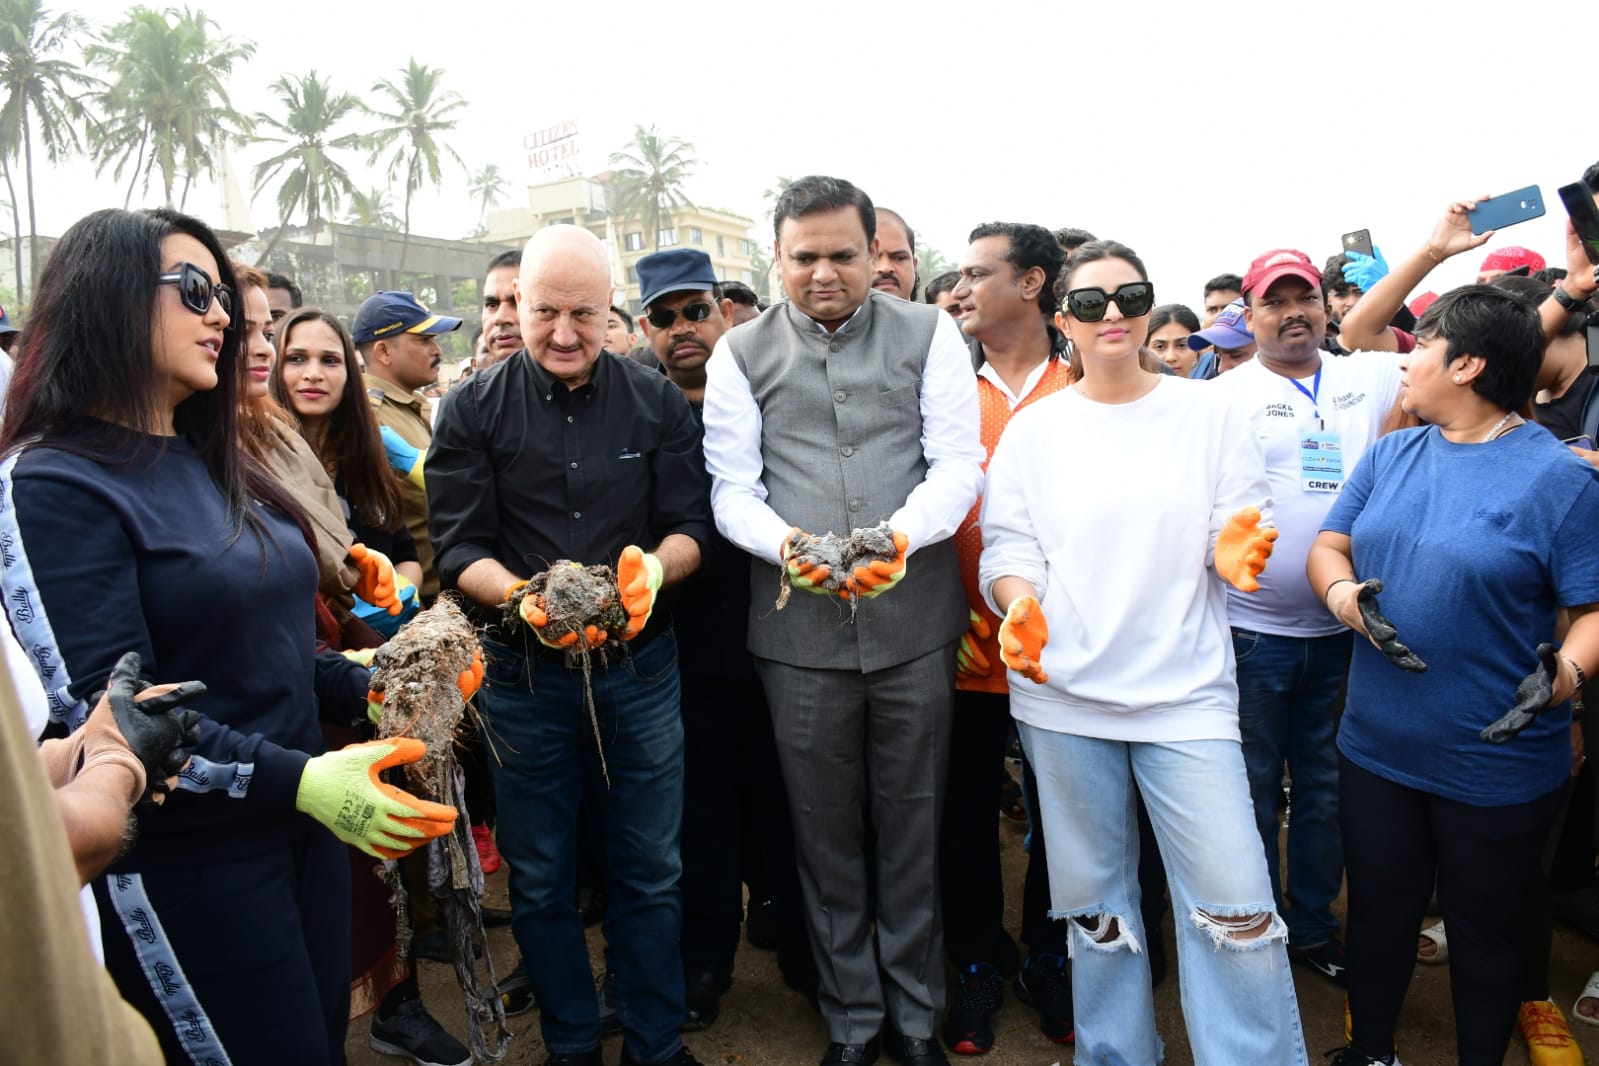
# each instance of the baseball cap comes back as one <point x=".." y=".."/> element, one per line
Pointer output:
<point x="675" y="270"/>
<point x="1511" y="258"/>
<point x="385" y="314"/>
<point x="1228" y="331"/>
<point x="5" y="323"/>
<point x="1268" y="267"/>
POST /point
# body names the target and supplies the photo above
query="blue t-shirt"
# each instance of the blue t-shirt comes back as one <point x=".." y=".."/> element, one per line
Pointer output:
<point x="1476" y="545"/>
<point x="97" y="559"/>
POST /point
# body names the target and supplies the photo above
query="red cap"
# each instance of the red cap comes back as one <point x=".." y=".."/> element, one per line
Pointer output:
<point x="1419" y="305"/>
<point x="1280" y="263"/>
<point x="1510" y="258"/>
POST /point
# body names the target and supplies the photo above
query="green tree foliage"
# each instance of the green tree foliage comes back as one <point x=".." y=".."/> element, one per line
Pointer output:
<point x="41" y="96"/>
<point x="419" y="113"/>
<point x="488" y="187"/>
<point x="166" y="107"/>
<point x="313" y="179"/>
<point x="648" y="186"/>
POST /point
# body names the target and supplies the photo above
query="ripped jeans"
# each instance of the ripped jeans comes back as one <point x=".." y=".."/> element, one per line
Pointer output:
<point x="1237" y="993"/>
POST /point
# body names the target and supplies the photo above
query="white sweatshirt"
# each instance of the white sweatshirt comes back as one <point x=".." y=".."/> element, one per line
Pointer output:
<point x="1111" y="511"/>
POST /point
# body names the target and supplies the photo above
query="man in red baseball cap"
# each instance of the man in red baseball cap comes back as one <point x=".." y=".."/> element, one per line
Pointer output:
<point x="1504" y="260"/>
<point x="1314" y="416"/>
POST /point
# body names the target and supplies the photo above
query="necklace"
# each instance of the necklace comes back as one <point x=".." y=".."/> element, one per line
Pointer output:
<point x="1494" y="432"/>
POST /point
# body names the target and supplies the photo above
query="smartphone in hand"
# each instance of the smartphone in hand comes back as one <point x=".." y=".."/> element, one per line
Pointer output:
<point x="1578" y="199"/>
<point x="1500" y="211"/>
<point x="1359" y="241"/>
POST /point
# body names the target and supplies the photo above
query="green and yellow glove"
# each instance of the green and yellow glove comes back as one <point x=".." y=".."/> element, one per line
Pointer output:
<point x="802" y="575"/>
<point x="638" y="575"/>
<point x="342" y="791"/>
<point x="970" y="662"/>
<point x="880" y="575"/>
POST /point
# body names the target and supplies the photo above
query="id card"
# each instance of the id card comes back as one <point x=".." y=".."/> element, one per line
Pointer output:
<point x="1321" y="462"/>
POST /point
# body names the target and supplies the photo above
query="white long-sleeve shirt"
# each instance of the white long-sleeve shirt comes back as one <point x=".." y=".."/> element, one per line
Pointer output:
<point x="950" y="443"/>
<point x="1111" y="511"/>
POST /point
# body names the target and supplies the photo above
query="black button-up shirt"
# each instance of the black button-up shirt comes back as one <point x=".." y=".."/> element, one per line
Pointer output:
<point x="526" y="471"/>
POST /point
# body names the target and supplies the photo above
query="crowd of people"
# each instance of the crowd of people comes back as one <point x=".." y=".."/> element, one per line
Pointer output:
<point x="1311" y="553"/>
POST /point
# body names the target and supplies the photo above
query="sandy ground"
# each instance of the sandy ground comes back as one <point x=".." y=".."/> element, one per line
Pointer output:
<point x="763" y="1023"/>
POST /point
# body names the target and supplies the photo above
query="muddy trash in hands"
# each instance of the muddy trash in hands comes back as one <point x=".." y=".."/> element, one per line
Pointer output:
<point x="840" y="555"/>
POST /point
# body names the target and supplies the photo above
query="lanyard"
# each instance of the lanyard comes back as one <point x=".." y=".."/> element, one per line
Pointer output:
<point x="1315" y="388"/>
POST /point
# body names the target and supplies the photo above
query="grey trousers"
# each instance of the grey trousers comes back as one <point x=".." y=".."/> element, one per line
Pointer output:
<point x="864" y="760"/>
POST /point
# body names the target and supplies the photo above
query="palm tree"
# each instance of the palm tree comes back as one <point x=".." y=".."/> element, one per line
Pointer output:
<point x="649" y="185"/>
<point x="312" y="178"/>
<point x="489" y="187"/>
<point x="41" y="94"/>
<point x="166" y="106"/>
<point x="373" y="209"/>
<point x="421" y="111"/>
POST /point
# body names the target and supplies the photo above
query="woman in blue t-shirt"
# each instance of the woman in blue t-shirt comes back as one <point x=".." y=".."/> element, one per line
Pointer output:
<point x="132" y="520"/>
<point x="1476" y="529"/>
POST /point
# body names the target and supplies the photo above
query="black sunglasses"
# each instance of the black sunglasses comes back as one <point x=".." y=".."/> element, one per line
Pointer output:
<point x="663" y="317"/>
<point x="1089" y="305"/>
<point x="197" y="290"/>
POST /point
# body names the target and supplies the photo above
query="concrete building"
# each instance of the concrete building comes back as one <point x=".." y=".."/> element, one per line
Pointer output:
<point x="581" y="201"/>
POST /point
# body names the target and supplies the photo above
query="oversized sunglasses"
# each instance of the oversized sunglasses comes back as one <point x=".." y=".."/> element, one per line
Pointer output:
<point x="1089" y="305"/>
<point x="663" y="317"/>
<point x="197" y="290"/>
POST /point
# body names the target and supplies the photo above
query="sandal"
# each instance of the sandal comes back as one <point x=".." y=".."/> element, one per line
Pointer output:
<point x="1434" y="934"/>
<point x="1011" y="803"/>
<point x="1590" y="991"/>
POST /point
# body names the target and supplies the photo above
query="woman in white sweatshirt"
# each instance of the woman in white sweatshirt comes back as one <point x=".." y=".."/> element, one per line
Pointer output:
<point x="1110" y="583"/>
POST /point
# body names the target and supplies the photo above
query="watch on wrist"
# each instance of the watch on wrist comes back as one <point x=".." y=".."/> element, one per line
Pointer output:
<point x="1582" y="678"/>
<point x="1566" y="300"/>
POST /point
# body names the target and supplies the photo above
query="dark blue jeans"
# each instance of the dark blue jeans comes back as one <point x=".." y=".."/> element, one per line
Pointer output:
<point x="537" y="725"/>
<point x="1290" y="696"/>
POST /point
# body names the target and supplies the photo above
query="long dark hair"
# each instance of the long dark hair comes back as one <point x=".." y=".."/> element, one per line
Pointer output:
<point x="85" y="379"/>
<point x="351" y="449"/>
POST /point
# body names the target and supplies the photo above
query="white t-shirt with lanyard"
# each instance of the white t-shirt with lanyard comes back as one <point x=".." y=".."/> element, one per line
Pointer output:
<point x="1313" y="430"/>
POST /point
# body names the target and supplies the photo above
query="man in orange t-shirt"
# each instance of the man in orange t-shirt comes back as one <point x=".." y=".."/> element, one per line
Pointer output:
<point x="1006" y="301"/>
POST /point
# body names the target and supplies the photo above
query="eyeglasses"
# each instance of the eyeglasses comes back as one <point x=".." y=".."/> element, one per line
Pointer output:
<point x="1089" y="305"/>
<point x="197" y="290"/>
<point x="663" y="317"/>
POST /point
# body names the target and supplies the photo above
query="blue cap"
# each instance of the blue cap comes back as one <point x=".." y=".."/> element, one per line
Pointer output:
<point x="385" y="314"/>
<point x="678" y="270"/>
<point x="1228" y="331"/>
<point x="5" y="323"/>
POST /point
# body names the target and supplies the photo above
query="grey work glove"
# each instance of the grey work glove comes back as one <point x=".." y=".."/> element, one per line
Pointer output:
<point x="158" y="731"/>
<point x="1532" y="696"/>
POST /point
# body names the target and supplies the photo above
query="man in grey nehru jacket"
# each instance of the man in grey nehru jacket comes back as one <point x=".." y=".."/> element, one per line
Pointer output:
<point x="838" y="409"/>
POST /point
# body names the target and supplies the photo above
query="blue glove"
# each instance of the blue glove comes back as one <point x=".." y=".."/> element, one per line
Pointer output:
<point x="1363" y="271"/>
<point x="403" y="456"/>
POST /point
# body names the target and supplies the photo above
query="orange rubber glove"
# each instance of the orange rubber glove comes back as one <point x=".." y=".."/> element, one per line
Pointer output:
<point x="1022" y="636"/>
<point x="803" y="575"/>
<point x="534" y="614"/>
<point x="970" y="662"/>
<point x="880" y="575"/>
<point x="1242" y="548"/>
<point x="471" y="678"/>
<point x="638" y="576"/>
<point x="342" y="790"/>
<point x="376" y="585"/>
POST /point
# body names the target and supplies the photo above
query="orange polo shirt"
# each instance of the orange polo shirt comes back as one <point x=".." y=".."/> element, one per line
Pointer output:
<point x="996" y="415"/>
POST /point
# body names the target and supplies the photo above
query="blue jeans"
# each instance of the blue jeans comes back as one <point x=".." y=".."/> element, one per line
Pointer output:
<point x="1290" y="695"/>
<point x="1237" y="992"/>
<point x="537" y="725"/>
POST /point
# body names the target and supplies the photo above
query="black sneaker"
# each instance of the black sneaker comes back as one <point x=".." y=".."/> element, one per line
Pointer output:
<point x="610" y="1002"/>
<point x="516" y="991"/>
<point x="1326" y="959"/>
<point x="409" y="1031"/>
<point x="760" y="924"/>
<point x="969" y="1026"/>
<point x="1353" y="1056"/>
<point x="1045" y="985"/>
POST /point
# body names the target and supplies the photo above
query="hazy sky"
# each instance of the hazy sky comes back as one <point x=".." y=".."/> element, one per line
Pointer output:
<point x="1200" y="134"/>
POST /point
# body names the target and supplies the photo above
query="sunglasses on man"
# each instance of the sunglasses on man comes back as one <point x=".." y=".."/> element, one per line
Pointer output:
<point x="663" y="317"/>
<point x="1089" y="305"/>
<point x="197" y="290"/>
